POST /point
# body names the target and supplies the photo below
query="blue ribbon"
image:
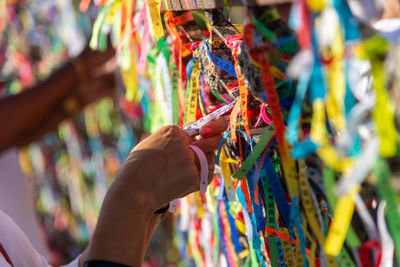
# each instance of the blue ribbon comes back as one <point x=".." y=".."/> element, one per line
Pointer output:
<point x="350" y="25"/>
<point x="249" y="227"/>
<point x="203" y="93"/>
<point x="295" y="112"/>
<point x="221" y="235"/>
<point x="304" y="149"/>
<point x="258" y="211"/>
<point x="317" y="82"/>
<point x="220" y="63"/>
<point x="297" y="221"/>
<point x="190" y="67"/>
<point x="221" y="143"/>
<point x="260" y="258"/>
<point x="234" y="231"/>
<point x="277" y="190"/>
<point x="271" y="222"/>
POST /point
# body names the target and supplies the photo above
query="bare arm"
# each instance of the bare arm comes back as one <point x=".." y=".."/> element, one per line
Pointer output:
<point x="28" y="115"/>
<point x="20" y="113"/>
<point x="159" y="169"/>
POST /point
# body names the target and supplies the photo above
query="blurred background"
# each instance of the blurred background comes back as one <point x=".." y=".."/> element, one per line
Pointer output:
<point x="54" y="187"/>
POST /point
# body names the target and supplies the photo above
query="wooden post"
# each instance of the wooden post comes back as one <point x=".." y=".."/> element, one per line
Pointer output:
<point x="181" y="5"/>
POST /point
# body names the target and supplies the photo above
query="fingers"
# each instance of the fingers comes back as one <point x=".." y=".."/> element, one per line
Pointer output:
<point x="104" y="70"/>
<point x="177" y="131"/>
<point x="93" y="59"/>
<point x="214" y="127"/>
<point x="188" y="138"/>
<point x="209" y="144"/>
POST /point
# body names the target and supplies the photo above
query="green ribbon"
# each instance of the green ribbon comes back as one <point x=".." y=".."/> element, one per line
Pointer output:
<point x="264" y="31"/>
<point x="255" y="154"/>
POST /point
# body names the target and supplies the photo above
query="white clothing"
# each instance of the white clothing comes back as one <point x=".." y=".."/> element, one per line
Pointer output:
<point x="17" y="200"/>
<point x="18" y="247"/>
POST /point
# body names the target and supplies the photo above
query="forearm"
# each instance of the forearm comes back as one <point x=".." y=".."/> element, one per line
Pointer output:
<point x="155" y="219"/>
<point x="25" y="111"/>
<point x="121" y="233"/>
<point x="159" y="169"/>
<point x="47" y="124"/>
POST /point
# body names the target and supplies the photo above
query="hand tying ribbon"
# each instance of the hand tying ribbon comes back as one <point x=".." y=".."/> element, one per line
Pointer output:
<point x="209" y="129"/>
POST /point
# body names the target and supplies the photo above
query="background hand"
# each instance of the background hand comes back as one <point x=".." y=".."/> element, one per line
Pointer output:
<point x="96" y="75"/>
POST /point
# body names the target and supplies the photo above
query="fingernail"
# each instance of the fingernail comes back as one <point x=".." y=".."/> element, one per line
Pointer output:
<point x="207" y="131"/>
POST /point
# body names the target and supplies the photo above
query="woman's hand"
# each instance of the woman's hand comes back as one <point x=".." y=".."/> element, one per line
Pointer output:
<point x="168" y="169"/>
<point x="159" y="169"/>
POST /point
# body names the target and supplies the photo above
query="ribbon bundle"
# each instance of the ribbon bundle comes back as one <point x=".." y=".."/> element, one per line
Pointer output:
<point x="305" y="175"/>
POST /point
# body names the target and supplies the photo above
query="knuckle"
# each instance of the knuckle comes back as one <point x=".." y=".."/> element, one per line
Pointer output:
<point x="174" y="129"/>
<point x="176" y="132"/>
<point x="164" y="129"/>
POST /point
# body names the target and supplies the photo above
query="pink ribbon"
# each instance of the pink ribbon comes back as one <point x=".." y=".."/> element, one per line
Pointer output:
<point x="173" y="205"/>
<point x="203" y="168"/>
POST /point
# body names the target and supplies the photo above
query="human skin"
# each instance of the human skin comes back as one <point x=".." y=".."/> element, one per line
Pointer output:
<point x="27" y="116"/>
<point x="391" y="10"/>
<point x="159" y="169"/>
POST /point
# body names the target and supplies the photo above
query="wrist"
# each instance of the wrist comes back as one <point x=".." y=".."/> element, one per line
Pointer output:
<point x="144" y="198"/>
<point x="80" y="69"/>
<point x="120" y="232"/>
<point x="133" y="196"/>
<point x="141" y="184"/>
